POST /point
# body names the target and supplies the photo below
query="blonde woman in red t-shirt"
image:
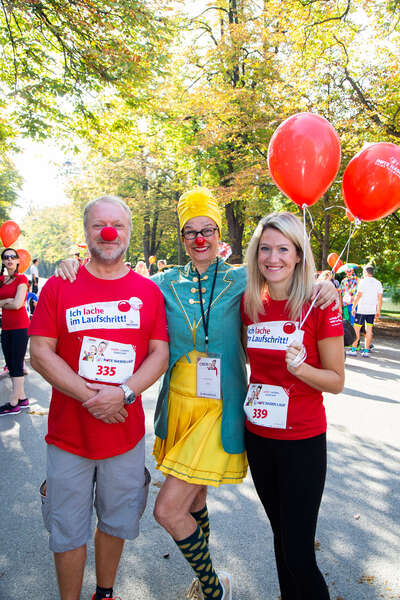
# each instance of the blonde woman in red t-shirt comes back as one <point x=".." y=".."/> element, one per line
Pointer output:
<point x="14" y="334"/>
<point x="295" y="352"/>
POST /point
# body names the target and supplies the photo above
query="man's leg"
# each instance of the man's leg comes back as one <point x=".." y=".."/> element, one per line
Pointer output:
<point x="120" y="499"/>
<point x="70" y="566"/>
<point x="67" y="515"/>
<point x="108" y="550"/>
<point x="368" y="336"/>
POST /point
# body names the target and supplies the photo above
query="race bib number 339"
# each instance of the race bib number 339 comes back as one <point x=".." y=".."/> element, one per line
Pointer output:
<point x="266" y="405"/>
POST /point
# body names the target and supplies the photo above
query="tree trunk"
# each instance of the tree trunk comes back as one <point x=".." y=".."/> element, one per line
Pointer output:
<point x="234" y="219"/>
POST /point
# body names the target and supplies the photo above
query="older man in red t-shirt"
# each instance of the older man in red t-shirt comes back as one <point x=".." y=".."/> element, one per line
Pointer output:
<point x="100" y="343"/>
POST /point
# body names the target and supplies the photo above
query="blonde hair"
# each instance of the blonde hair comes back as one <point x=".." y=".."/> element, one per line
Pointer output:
<point x="303" y="279"/>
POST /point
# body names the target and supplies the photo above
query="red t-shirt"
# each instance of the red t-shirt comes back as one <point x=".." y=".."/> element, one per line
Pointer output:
<point x="306" y="413"/>
<point x="101" y="309"/>
<point x="14" y="319"/>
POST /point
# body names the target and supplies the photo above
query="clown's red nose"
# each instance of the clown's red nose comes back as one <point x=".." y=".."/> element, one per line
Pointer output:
<point x="200" y="241"/>
<point x="109" y="234"/>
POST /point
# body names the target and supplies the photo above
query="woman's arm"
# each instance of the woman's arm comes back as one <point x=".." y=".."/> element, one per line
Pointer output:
<point x="19" y="299"/>
<point x="67" y="269"/>
<point x="330" y="377"/>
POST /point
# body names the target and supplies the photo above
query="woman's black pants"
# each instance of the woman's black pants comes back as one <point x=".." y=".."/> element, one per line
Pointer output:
<point x="14" y="343"/>
<point x="289" y="476"/>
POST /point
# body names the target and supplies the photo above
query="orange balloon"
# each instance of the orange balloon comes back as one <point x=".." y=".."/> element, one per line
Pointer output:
<point x="24" y="260"/>
<point x="334" y="261"/>
<point x="9" y="232"/>
<point x="152" y="260"/>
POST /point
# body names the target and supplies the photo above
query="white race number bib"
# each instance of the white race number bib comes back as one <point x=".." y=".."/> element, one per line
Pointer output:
<point x="266" y="405"/>
<point x="109" y="362"/>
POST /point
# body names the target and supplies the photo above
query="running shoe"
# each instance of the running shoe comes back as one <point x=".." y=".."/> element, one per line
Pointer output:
<point x="114" y="598"/>
<point x="226" y="583"/>
<point x="352" y="352"/>
<point x="23" y="403"/>
<point x="194" y="591"/>
<point x="7" y="409"/>
<point x="365" y="353"/>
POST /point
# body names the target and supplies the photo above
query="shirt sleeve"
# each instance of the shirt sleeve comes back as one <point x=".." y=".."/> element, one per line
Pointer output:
<point x="44" y="321"/>
<point x="329" y="324"/>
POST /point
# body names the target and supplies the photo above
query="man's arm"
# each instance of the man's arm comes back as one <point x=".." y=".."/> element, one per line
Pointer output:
<point x="110" y="398"/>
<point x="356" y="301"/>
<point x="378" y="310"/>
<point x="59" y="374"/>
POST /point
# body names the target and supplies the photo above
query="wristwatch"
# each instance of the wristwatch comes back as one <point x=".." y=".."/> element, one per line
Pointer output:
<point x="129" y="394"/>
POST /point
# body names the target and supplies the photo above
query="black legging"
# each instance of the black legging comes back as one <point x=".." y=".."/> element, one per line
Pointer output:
<point x="14" y="343"/>
<point x="289" y="476"/>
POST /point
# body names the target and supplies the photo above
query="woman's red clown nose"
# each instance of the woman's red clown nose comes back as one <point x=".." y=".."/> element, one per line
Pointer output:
<point x="200" y="241"/>
<point x="109" y="234"/>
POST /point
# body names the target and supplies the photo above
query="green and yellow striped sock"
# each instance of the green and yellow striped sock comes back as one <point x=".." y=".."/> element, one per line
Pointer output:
<point x="201" y="517"/>
<point x="195" y="549"/>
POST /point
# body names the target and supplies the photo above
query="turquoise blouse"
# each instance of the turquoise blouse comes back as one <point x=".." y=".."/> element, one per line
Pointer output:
<point x="180" y="288"/>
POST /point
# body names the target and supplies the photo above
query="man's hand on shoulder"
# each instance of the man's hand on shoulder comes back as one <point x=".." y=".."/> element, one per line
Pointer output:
<point x="107" y="404"/>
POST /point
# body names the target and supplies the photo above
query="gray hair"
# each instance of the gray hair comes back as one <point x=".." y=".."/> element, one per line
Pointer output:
<point x="111" y="200"/>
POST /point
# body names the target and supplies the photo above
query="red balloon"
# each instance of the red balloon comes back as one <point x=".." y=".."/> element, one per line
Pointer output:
<point x="304" y="157"/>
<point x="9" y="232"/>
<point x="334" y="261"/>
<point x="24" y="260"/>
<point x="371" y="182"/>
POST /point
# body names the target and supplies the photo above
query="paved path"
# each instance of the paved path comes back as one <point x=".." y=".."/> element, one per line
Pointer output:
<point x="358" y="532"/>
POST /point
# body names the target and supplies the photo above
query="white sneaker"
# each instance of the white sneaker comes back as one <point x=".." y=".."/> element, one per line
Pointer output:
<point x="226" y="583"/>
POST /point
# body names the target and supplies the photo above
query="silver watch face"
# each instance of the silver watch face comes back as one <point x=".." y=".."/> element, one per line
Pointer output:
<point x="130" y="396"/>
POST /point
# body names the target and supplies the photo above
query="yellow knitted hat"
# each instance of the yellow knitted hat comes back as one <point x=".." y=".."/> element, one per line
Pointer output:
<point x="198" y="203"/>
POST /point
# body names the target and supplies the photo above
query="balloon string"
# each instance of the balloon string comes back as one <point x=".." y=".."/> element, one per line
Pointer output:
<point x="308" y="312"/>
<point x="347" y="245"/>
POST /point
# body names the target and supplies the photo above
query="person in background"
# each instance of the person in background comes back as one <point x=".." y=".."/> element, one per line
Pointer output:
<point x="348" y="290"/>
<point x="34" y="273"/>
<point x="301" y="357"/>
<point x="142" y="269"/>
<point x="366" y="307"/>
<point x="161" y="264"/>
<point x="31" y="300"/>
<point x="328" y="276"/>
<point x="14" y="333"/>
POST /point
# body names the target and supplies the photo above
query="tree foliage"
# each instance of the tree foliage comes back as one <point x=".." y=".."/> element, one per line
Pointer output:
<point x="235" y="71"/>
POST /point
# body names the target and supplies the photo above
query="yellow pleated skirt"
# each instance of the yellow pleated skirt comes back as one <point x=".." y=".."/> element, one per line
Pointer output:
<point x="192" y="450"/>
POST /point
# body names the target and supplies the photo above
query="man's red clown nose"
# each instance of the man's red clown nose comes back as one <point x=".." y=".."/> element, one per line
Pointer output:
<point x="109" y="234"/>
<point x="200" y="241"/>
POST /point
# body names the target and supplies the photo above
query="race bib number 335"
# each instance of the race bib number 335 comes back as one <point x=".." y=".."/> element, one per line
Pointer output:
<point x="102" y="360"/>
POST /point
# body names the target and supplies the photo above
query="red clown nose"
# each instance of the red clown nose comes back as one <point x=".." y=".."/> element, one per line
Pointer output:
<point x="200" y="241"/>
<point x="109" y="234"/>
